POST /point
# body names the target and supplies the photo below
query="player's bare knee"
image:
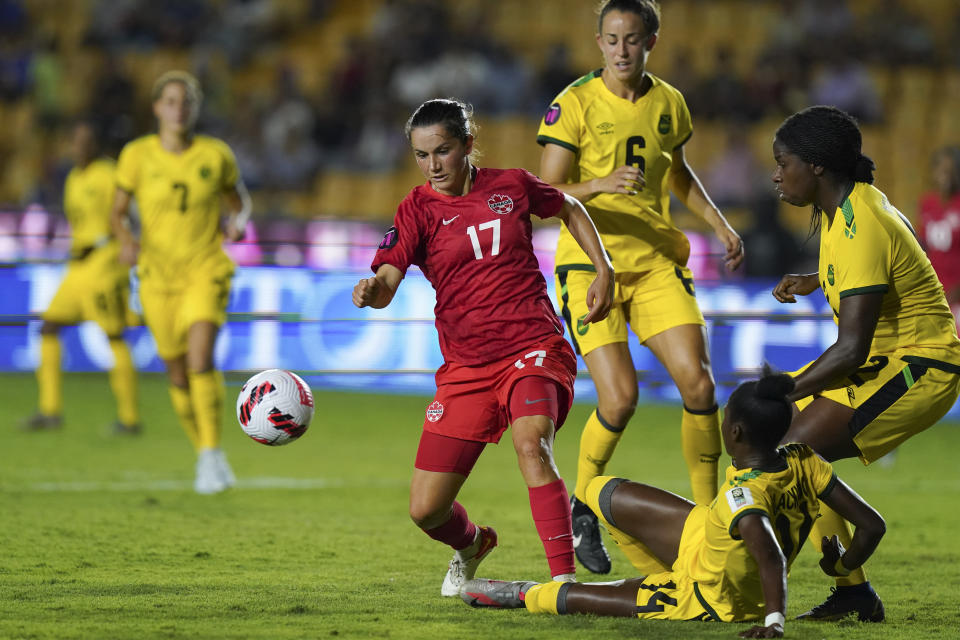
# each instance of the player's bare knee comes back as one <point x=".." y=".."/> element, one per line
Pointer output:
<point x="619" y="410"/>
<point x="428" y="515"/>
<point x="699" y="393"/>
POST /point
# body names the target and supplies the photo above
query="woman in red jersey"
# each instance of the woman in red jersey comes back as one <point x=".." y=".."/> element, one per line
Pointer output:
<point x="505" y="359"/>
<point x="939" y="222"/>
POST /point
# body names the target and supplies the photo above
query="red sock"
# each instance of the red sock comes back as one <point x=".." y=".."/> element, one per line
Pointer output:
<point x="458" y="531"/>
<point x="550" y="506"/>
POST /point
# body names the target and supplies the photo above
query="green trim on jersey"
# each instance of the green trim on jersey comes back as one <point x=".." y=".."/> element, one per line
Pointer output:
<point x="575" y="267"/>
<point x="684" y="141"/>
<point x="830" y="485"/>
<point x="739" y="515"/>
<point x="596" y="73"/>
<point x="545" y="140"/>
<point x="933" y="364"/>
<point x="749" y="475"/>
<point x="847" y="209"/>
<point x="874" y="288"/>
<point x="704" y="604"/>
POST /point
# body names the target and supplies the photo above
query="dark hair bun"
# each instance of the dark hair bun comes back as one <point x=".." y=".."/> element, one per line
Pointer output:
<point x="774" y="386"/>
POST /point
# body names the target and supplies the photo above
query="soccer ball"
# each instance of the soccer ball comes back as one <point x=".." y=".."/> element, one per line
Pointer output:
<point x="275" y="407"/>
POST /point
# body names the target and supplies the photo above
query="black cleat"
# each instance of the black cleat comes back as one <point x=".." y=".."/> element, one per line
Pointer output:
<point x="41" y="422"/>
<point x="118" y="428"/>
<point x="500" y="594"/>
<point x="860" y="599"/>
<point x="587" y="543"/>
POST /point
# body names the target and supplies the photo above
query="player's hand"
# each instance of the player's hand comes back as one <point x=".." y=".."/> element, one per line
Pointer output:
<point x="366" y="291"/>
<point x="734" y="246"/>
<point x="758" y="631"/>
<point x="128" y="252"/>
<point x="795" y="284"/>
<point x="599" y="297"/>
<point x="233" y="233"/>
<point x="626" y="179"/>
<point x="832" y="550"/>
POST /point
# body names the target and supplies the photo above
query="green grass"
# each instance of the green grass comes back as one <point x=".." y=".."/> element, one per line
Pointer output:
<point x="103" y="537"/>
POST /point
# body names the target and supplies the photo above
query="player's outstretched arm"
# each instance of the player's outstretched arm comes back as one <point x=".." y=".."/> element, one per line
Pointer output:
<point x="762" y="544"/>
<point x="120" y="223"/>
<point x="556" y="163"/>
<point x="796" y="284"/>
<point x="857" y="322"/>
<point x="687" y="186"/>
<point x="240" y="206"/>
<point x="378" y="291"/>
<point x="581" y="227"/>
<point x="869" y="528"/>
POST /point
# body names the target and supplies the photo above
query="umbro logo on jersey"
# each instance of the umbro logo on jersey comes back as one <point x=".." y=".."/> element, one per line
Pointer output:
<point x="500" y="203"/>
<point x="605" y="128"/>
<point x="446" y="222"/>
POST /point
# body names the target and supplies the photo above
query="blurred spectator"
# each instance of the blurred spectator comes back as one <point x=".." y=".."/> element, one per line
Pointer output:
<point x="845" y="83"/>
<point x="771" y="250"/>
<point x="46" y="80"/>
<point x="112" y="104"/>
<point x="939" y="221"/>
<point x="15" y="56"/>
<point x="734" y="177"/>
<point x="721" y="92"/>
<point x="892" y="35"/>
<point x="557" y="72"/>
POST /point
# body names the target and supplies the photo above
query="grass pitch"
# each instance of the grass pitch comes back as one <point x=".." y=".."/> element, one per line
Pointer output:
<point x="103" y="537"/>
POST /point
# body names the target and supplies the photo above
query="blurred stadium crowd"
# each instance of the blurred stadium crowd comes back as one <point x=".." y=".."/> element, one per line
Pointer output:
<point x="312" y="94"/>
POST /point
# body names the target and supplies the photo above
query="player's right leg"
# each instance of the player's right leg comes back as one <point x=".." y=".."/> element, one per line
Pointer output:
<point x="442" y="466"/>
<point x="49" y="413"/>
<point x="615" y="379"/>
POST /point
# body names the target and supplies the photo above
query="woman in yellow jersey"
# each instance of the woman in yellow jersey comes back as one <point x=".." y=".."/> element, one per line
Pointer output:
<point x="895" y="367"/>
<point x="181" y="181"/>
<point x="614" y="140"/>
<point x="94" y="288"/>
<point x="727" y="562"/>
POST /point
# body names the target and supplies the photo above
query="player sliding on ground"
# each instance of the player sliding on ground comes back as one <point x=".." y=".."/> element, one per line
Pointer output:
<point x="505" y="359"/>
<point x="727" y="562"/>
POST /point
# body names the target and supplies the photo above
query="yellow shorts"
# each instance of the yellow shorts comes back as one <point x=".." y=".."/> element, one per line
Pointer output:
<point x="169" y="313"/>
<point x="673" y="595"/>
<point x="650" y="302"/>
<point x="894" y="396"/>
<point x="96" y="289"/>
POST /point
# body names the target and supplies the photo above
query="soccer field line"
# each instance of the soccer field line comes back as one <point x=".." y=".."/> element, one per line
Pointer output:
<point x="262" y="482"/>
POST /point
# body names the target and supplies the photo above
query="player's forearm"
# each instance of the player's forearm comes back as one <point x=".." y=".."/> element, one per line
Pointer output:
<point x="837" y="362"/>
<point x="582" y="191"/>
<point x="583" y="230"/>
<point x="685" y="184"/>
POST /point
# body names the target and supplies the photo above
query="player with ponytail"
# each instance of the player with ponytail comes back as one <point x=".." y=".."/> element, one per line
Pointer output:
<point x="895" y="367"/>
<point x="728" y="561"/>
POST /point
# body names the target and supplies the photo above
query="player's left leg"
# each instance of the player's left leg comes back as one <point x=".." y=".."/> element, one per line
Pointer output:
<point x="206" y="398"/>
<point x="683" y="352"/>
<point x="534" y="410"/>
<point x="442" y="466"/>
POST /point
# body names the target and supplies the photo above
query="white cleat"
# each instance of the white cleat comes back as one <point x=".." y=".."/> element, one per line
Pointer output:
<point x="209" y="479"/>
<point x="223" y="468"/>
<point x="462" y="569"/>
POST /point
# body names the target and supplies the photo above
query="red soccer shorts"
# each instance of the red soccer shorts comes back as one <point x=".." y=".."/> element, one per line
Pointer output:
<point x="474" y="403"/>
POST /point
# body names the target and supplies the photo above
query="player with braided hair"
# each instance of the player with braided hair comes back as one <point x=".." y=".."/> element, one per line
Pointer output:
<point x="895" y="367"/>
<point x="726" y="562"/>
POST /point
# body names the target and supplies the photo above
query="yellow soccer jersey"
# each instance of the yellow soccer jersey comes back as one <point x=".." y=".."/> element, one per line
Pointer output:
<point x="87" y="198"/>
<point x="606" y="132"/>
<point x="179" y="198"/>
<point x="722" y="567"/>
<point x="870" y="247"/>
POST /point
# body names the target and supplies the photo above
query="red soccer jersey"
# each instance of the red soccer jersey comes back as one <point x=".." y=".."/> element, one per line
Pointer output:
<point x="940" y="234"/>
<point x="476" y="251"/>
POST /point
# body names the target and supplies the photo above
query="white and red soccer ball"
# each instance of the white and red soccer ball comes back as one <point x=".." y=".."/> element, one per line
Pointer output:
<point x="275" y="407"/>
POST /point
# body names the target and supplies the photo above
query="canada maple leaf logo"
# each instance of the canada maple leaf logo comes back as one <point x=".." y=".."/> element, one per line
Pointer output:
<point x="500" y="203"/>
